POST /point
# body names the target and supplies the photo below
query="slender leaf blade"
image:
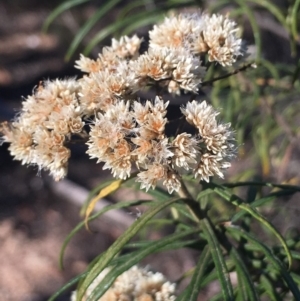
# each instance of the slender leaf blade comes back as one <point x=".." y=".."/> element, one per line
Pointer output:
<point x="91" y="218"/>
<point x="59" y="10"/>
<point x="192" y="291"/>
<point x="134" y="258"/>
<point x="67" y="286"/>
<point x="244" y="276"/>
<point x="218" y="259"/>
<point x="117" y="246"/>
<point x="278" y="265"/>
<point x="235" y="200"/>
<point x="88" y="25"/>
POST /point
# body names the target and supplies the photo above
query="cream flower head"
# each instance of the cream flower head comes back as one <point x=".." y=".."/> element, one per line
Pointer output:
<point x="136" y="284"/>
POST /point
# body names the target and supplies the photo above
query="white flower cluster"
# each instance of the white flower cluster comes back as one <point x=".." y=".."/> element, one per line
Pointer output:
<point x="47" y="120"/>
<point x="199" y="34"/>
<point x="128" y="133"/>
<point x="136" y="284"/>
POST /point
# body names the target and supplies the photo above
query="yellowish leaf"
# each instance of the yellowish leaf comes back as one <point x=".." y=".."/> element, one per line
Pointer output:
<point x="103" y="193"/>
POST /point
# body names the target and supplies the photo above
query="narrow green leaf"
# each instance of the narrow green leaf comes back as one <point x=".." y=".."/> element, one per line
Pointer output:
<point x="273" y="9"/>
<point x="128" y="24"/>
<point x="184" y="211"/>
<point x="88" y="25"/>
<point x="171" y="246"/>
<point x="131" y="6"/>
<point x="257" y="203"/>
<point x="271" y="257"/>
<point x="296" y="277"/>
<point x="219" y="260"/>
<point x="263" y="201"/>
<point x="268" y="288"/>
<point x="114" y="27"/>
<point x="143" y="21"/>
<point x="244" y="276"/>
<point x="256" y="32"/>
<point x="91" y="218"/>
<point x="241" y="294"/>
<point x="267" y="184"/>
<point x="134" y="258"/>
<point x="120" y="242"/>
<point x="192" y="291"/>
<point x="59" y="10"/>
<point x="214" y="274"/>
<point x="294" y="20"/>
<point x="204" y="193"/>
<point x="67" y="286"/>
<point x="271" y="68"/>
<point x="235" y="200"/>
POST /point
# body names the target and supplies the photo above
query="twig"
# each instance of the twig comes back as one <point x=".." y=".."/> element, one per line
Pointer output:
<point x="211" y="81"/>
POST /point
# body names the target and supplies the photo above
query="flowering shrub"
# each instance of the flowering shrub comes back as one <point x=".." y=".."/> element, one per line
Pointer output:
<point x="127" y="133"/>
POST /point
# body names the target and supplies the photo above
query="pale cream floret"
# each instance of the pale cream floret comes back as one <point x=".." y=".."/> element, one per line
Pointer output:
<point x="136" y="284"/>
<point x="220" y="34"/>
<point x="216" y="139"/>
<point x="186" y="150"/>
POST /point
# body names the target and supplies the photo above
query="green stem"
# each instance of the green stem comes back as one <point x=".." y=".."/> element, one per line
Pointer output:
<point x="192" y="205"/>
<point x="213" y="241"/>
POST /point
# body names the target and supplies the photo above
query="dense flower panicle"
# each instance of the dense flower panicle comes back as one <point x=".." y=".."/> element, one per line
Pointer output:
<point x="126" y="136"/>
<point x="104" y="88"/>
<point x="215" y="136"/>
<point x="174" y="31"/>
<point x="136" y="136"/>
<point x="126" y="133"/>
<point x="136" y="284"/>
<point x="217" y="139"/>
<point x="49" y="101"/>
<point x="111" y="57"/>
<point x="200" y="33"/>
<point x="118" y="139"/>
<point x="167" y="64"/>
<point x="94" y="94"/>
<point x="48" y="118"/>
